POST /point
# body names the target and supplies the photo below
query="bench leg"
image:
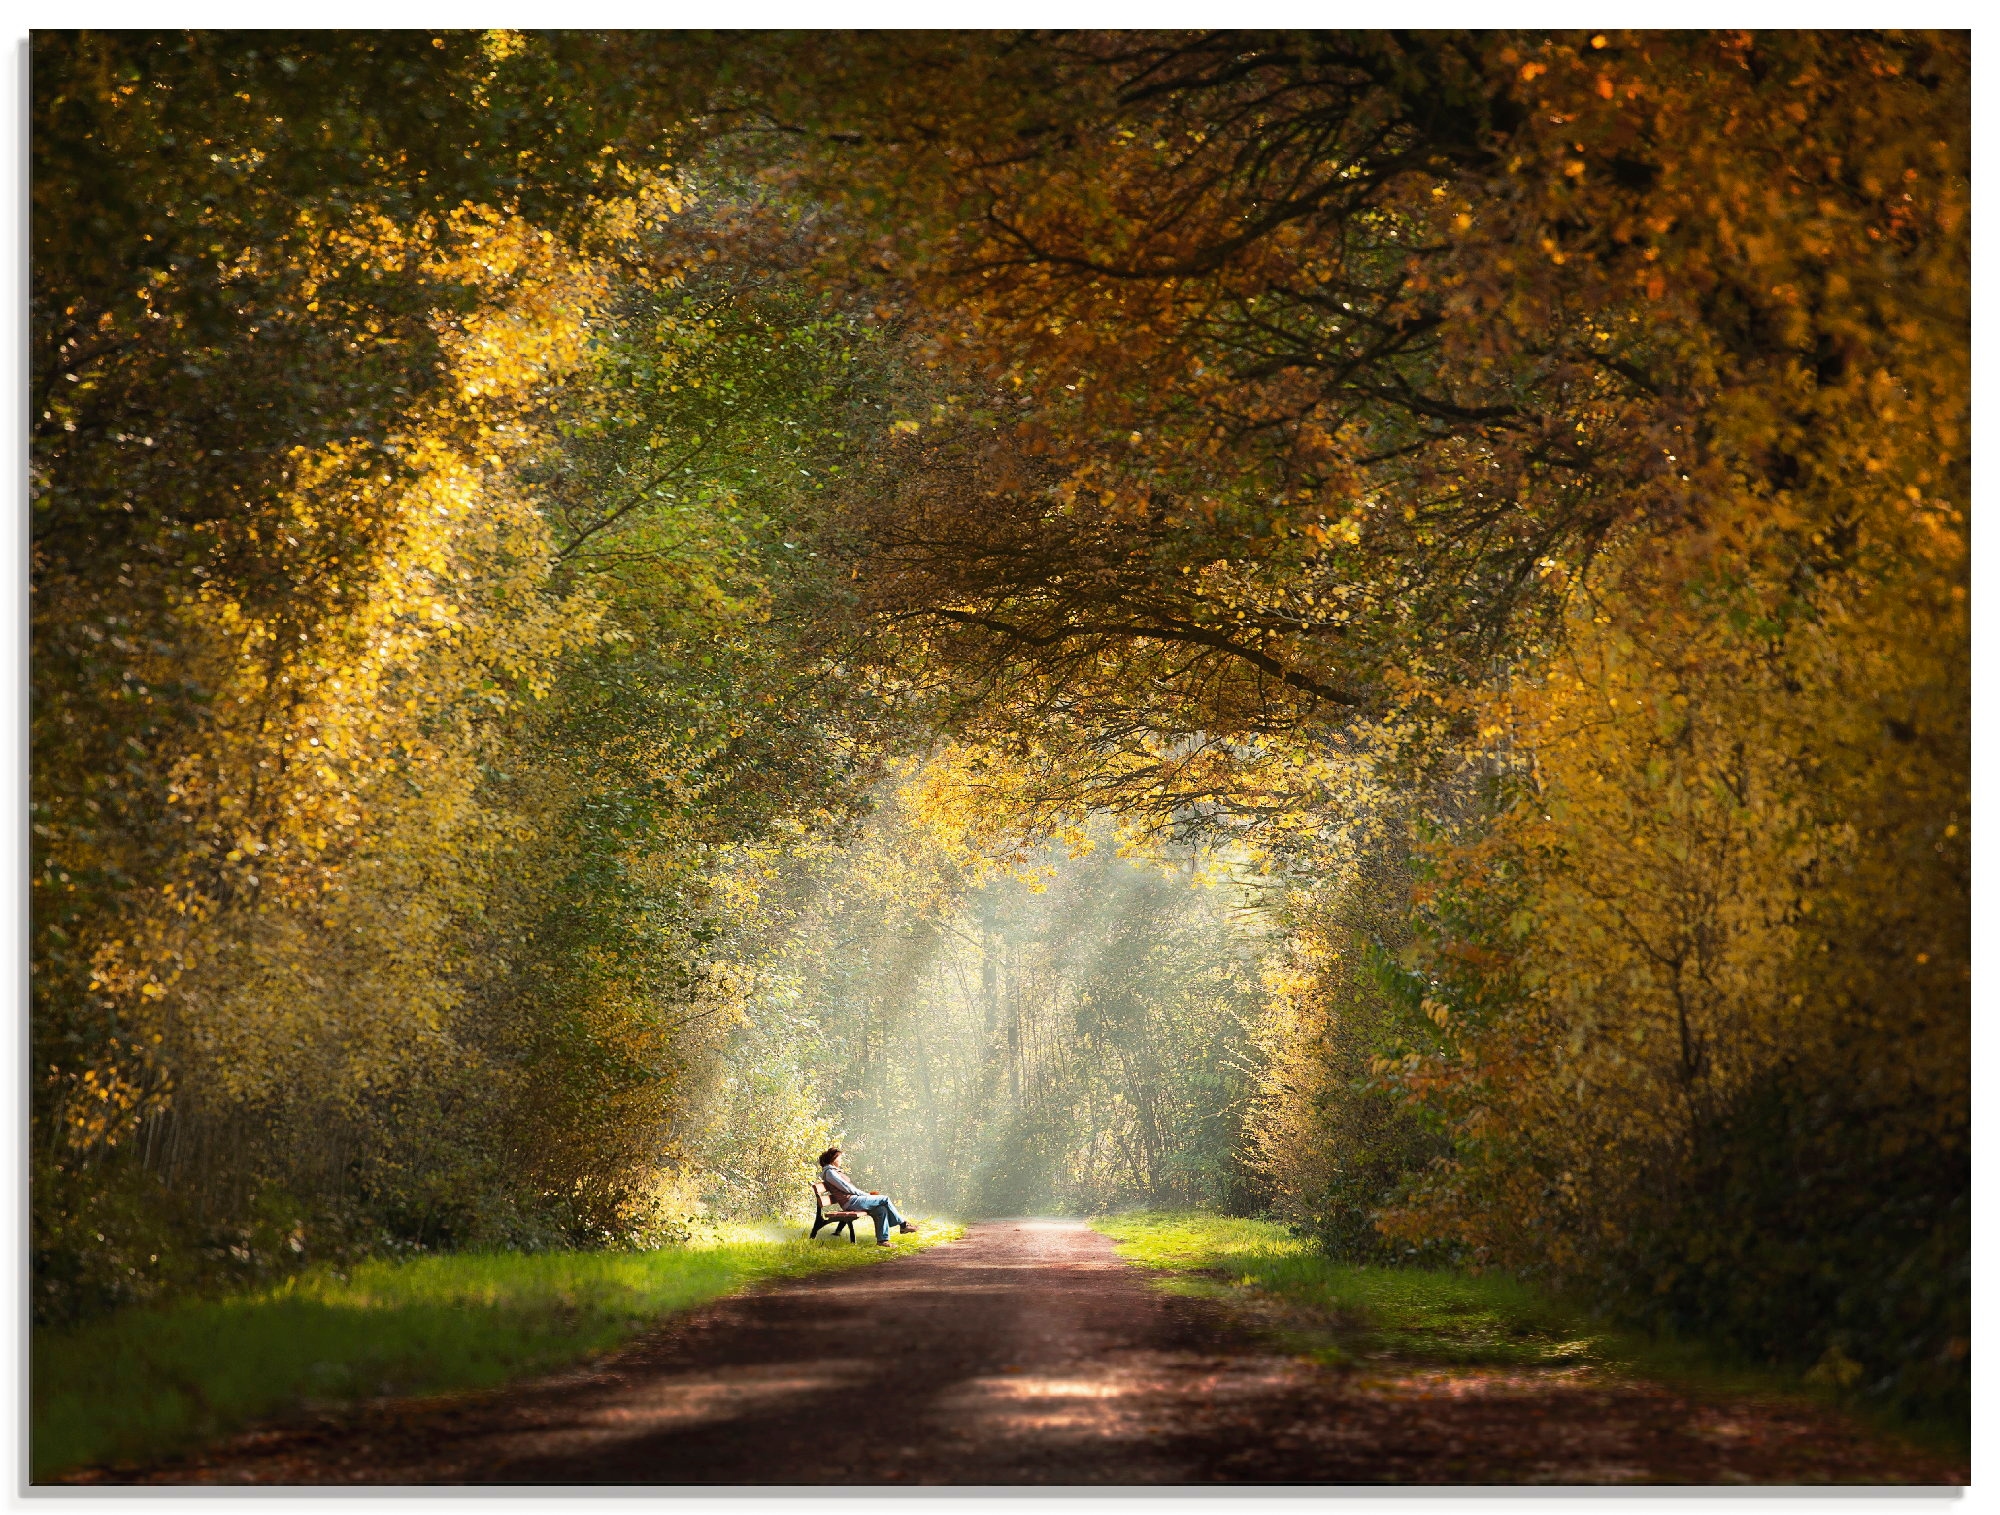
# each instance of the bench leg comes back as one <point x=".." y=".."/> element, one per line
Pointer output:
<point x="850" y="1229"/>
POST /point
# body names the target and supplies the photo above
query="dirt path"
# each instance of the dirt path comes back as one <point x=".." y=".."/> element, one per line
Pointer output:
<point x="1029" y="1354"/>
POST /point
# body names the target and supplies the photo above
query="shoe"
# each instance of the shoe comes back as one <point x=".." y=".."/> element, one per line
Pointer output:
<point x="883" y="1242"/>
<point x="907" y="1227"/>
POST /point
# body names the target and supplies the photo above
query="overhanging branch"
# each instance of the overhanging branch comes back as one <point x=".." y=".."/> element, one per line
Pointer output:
<point x="1201" y="636"/>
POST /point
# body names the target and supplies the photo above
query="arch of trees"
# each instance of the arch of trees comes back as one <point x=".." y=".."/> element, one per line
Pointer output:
<point x="593" y="593"/>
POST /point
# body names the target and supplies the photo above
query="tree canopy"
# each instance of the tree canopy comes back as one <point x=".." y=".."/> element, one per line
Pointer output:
<point x="1369" y="624"/>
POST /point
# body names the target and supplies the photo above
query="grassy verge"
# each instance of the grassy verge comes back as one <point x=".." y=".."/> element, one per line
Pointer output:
<point x="1344" y="1313"/>
<point x="149" y="1382"/>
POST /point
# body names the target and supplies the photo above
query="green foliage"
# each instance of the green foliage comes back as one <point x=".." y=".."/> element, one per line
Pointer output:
<point x="1335" y="1142"/>
<point x="268" y="273"/>
<point x="392" y="908"/>
<point x="763" y="1126"/>
<point x="679" y="479"/>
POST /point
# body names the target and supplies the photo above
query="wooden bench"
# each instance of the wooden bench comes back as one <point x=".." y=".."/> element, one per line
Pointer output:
<point x="827" y="1213"/>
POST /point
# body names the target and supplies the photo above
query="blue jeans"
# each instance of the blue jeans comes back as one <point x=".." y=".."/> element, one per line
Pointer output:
<point x="881" y="1208"/>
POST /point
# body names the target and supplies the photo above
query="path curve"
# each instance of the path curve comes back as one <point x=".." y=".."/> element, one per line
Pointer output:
<point x="1028" y="1353"/>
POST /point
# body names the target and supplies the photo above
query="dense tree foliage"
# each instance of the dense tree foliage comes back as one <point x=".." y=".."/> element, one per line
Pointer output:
<point x="1506" y="495"/>
<point x="1580" y="419"/>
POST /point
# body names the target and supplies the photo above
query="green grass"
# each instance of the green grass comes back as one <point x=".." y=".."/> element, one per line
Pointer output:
<point x="1342" y="1312"/>
<point x="1346" y="1313"/>
<point x="151" y="1381"/>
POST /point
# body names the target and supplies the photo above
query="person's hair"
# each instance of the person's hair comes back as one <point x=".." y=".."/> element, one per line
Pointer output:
<point x="828" y="1155"/>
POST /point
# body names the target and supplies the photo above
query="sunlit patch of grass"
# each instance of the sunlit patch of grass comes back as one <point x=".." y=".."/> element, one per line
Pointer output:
<point x="1429" y="1316"/>
<point x="1344" y="1313"/>
<point x="148" y="1382"/>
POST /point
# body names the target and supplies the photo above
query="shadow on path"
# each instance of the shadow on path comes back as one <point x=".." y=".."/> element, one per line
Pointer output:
<point x="1028" y="1353"/>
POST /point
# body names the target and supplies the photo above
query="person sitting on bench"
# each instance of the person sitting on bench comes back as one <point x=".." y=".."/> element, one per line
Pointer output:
<point x="879" y="1207"/>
